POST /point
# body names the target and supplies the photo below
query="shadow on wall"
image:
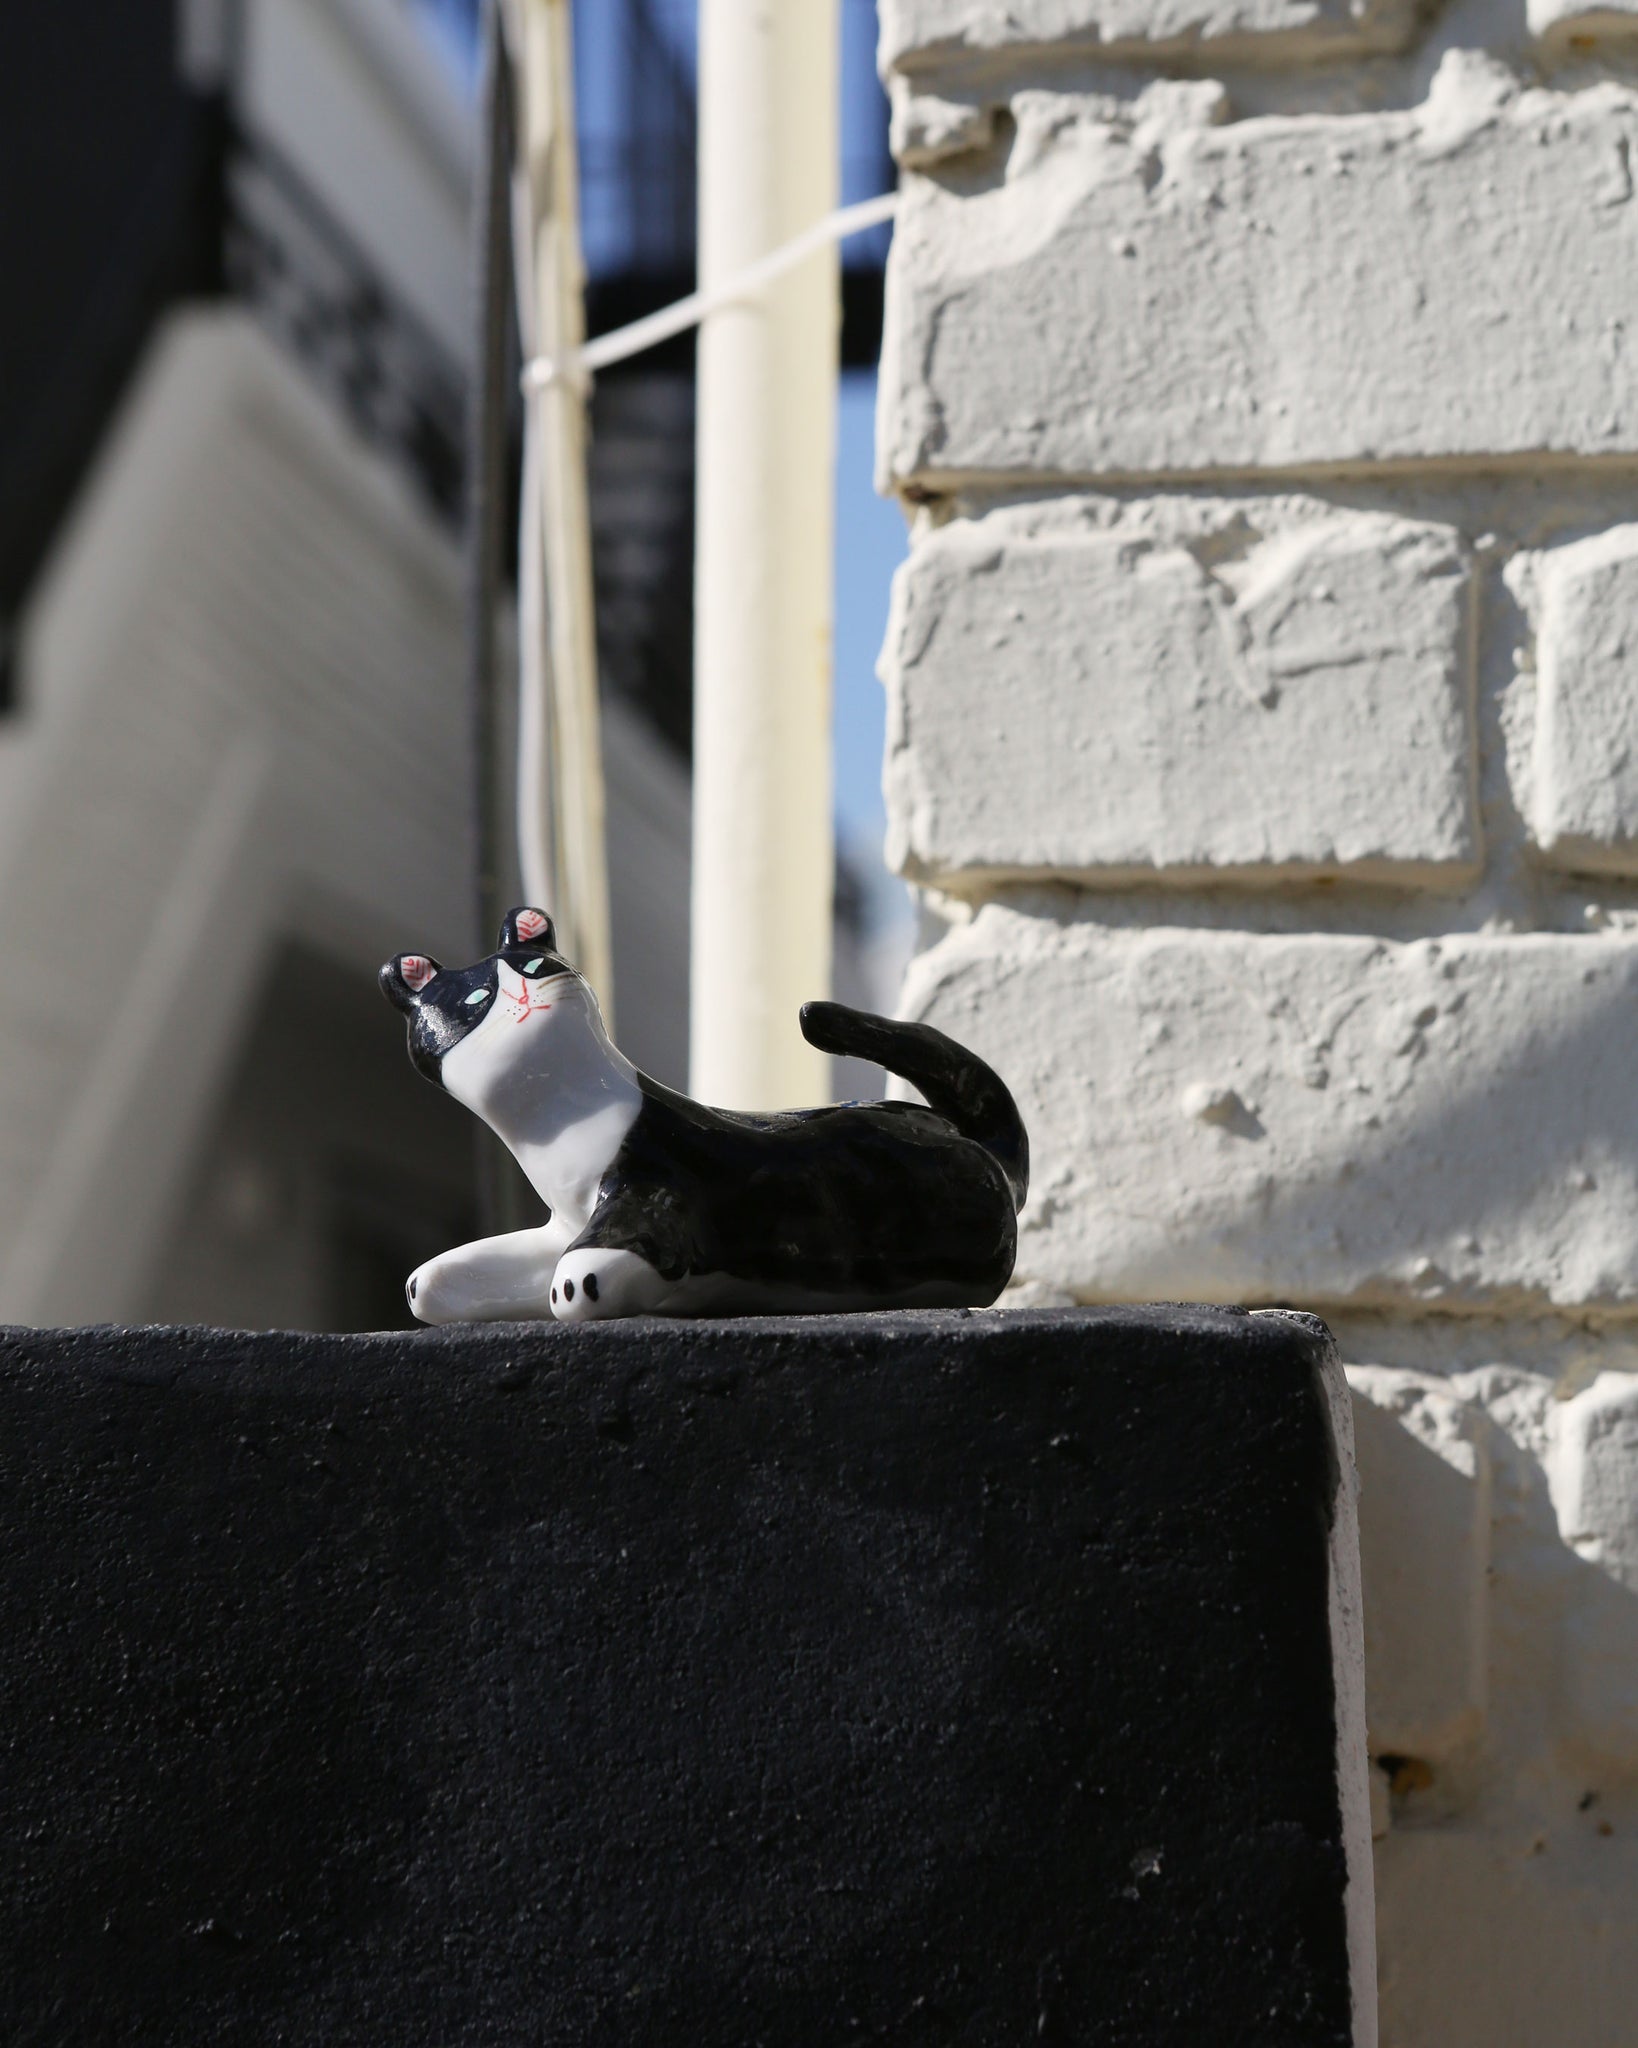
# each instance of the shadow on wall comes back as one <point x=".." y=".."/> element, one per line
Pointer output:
<point x="1502" y="1699"/>
<point x="1500" y="1148"/>
<point x="1558" y="1094"/>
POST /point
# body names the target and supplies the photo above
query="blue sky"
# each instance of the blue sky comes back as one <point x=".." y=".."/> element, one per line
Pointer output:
<point x="870" y="544"/>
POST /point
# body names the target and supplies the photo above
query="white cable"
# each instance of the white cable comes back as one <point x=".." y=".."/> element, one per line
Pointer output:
<point x="654" y="328"/>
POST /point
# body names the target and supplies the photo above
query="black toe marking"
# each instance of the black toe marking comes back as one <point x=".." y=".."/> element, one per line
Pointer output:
<point x="568" y="1290"/>
<point x="414" y="1282"/>
<point x="590" y="1285"/>
<point x="554" y="1294"/>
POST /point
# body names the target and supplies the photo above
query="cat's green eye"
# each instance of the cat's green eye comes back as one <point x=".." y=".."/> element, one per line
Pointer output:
<point x="533" y="966"/>
<point x="479" y="995"/>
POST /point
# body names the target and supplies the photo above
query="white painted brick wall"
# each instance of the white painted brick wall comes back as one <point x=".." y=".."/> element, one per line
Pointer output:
<point x="1263" y="740"/>
<point x="1216" y="685"/>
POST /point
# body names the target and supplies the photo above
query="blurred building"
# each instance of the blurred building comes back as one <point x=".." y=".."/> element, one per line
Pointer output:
<point x="233" y="765"/>
<point x="233" y="742"/>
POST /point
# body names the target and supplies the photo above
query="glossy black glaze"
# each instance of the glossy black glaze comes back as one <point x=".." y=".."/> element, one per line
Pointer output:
<point x="875" y="1201"/>
<point x="856" y="1205"/>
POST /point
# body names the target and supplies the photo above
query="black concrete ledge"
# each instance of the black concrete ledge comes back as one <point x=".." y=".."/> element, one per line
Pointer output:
<point x="929" y="1678"/>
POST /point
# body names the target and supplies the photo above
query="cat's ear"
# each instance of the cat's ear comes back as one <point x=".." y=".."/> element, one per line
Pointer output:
<point x="404" y="977"/>
<point x="527" y="927"/>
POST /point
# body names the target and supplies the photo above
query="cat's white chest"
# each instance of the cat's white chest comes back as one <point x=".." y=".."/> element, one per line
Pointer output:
<point x="545" y="1077"/>
<point x="568" y="1169"/>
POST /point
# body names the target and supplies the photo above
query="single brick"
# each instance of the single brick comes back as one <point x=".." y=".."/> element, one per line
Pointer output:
<point x="1261" y="685"/>
<point x="1594" y="1469"/>
<point x="1583" y="19"/>
<point x="1584" y="794"/>
<point x="920" y="32"/>
<point x="1337" y="1120"/>
<point x="1161" y="295"/>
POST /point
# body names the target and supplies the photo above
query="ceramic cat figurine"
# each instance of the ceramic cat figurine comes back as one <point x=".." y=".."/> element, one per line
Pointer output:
<point x="662" y="1206"/>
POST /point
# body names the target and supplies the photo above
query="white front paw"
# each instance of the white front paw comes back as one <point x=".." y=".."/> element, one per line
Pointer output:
<point x="428" y="1295"/>
<point x="593" y="1283"/>
<point x="495" y="1279"/>
<point x="442" y="1291"/>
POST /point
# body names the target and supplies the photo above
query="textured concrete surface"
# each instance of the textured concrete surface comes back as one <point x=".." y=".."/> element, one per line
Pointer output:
<point x="928" y="1678"/>
<point x="1211" y="685"/>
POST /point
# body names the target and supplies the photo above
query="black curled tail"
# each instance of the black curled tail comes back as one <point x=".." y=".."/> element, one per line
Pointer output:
<point x="956" y="1082"/>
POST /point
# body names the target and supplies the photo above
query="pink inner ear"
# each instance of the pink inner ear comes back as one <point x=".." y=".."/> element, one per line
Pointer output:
<point x="416" y="969"/>
<point x="530" y="924"/>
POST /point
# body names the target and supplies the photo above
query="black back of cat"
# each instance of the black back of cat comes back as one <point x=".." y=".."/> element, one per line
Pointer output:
<point x="956" y="1082"/>
<point x="882" y="1203"/>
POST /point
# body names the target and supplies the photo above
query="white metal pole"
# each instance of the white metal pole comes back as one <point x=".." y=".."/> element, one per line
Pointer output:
<point x="560" y="777"/>
<point x="763" y="848"/>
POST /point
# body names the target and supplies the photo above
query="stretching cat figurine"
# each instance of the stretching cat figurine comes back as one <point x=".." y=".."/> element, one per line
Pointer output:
<point x="659" y="1205"/>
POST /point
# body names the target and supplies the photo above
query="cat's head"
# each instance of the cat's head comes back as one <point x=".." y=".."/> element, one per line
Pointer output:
<point x="478" y="1008"/>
